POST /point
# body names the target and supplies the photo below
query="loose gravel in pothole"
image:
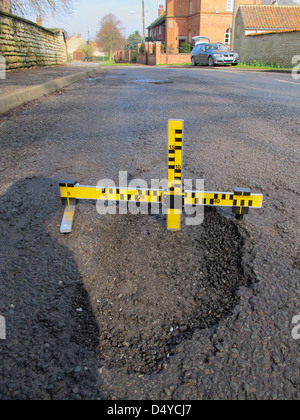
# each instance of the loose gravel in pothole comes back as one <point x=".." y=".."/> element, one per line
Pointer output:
<point x="152" y="288"/>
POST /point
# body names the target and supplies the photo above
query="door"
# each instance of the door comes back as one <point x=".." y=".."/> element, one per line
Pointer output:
<point x="196" y="54"/>
<point x="202" y="55"/>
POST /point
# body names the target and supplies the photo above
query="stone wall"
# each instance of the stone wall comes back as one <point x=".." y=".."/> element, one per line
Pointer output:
<point x="277" y="48"/>
<point x="25" y="44"/>
<point x="269" y="47"/>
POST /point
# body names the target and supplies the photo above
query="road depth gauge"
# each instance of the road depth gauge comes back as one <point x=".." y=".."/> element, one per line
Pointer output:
<point x="174" y="198"/>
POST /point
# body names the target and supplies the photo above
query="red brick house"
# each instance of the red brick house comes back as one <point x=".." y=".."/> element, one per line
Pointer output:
<point x="181" y="20"/>
<point x="157" y="29"/>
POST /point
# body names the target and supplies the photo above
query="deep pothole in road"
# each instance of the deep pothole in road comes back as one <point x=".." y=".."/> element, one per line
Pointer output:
<point x="153" y="288"/>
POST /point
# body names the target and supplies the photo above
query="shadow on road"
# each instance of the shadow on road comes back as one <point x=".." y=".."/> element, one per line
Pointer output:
<point x="51" y="337"/>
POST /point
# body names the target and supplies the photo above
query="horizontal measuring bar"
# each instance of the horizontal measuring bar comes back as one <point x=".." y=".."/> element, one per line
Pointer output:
<point x="201" y="198"/>
<point x="112" y="194"/>
<point x="222" y="199"/>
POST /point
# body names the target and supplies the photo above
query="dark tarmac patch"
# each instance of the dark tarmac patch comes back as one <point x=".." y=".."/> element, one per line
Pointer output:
<point x="152" y="288"/>
<point x="155" y="81"/>
<point x="50" y="348"/>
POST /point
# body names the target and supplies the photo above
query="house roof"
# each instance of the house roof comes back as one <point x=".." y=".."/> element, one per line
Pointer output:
<point x="271" y="17"/>
<point x="158" y="21"/>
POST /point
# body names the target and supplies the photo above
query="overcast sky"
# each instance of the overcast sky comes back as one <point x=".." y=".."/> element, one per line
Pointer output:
<point x="88" y="13"/>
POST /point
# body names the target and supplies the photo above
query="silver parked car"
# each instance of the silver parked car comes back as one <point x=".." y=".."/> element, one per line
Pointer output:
<point x="213" y="54"/>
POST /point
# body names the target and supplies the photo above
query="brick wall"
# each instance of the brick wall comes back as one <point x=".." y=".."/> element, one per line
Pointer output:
<point x="174" y="58"/>
<point x="215" y="25"/>
<point x="153" y="56"/>
<point x="25" y="44"/>
<point x="215" y="18"/>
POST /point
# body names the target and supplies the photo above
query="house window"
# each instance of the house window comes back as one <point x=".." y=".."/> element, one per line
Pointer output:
<point x="228" y="34"/>
<point x="191" y="7"/>
<point x="230" y="5"/>
<point x="159" y="30"/>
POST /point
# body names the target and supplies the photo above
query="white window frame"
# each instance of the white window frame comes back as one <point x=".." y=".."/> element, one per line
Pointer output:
<point x="230" y="5"/>
<point x="228" y="36"/>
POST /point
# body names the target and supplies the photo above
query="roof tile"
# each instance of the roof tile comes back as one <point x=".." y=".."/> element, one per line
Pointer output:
<point x="271" y="17"/>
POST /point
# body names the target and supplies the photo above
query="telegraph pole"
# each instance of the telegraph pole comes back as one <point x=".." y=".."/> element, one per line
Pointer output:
<point x="144" y="28"/>
<point x="235" y="4"/>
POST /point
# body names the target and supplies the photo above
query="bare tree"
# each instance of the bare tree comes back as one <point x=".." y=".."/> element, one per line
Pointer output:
<point x="40" y="7"/>
<point x="109" y="37"/>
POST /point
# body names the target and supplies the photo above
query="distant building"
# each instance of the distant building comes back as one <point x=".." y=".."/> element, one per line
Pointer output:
<point x="157" y="29"/>
<point x="267" y="33"/>
<point x="97" y="51"/>
<point x="263" y="18"/>
<point x="182" y="20"/>
<point x="78" y="55"/>
<point x="73" y="44"/>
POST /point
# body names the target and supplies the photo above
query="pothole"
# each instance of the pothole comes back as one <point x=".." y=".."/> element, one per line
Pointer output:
<point x="155" y="81"/>
<point x="94" y="79"/>
<point x="153" y="288"/>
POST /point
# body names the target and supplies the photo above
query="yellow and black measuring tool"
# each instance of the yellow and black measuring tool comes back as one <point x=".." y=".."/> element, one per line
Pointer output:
<point x="174" y="198"/>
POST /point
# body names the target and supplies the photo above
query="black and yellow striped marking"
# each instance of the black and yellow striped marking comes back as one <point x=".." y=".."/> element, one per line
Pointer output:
<point x="173" y="198"/>
<point x="200" y="198"/>
<point x="82" y="192"/>
<point x="222" y="199"/>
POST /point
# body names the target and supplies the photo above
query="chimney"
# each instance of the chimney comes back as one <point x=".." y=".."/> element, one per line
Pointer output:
<point x="39" y="20"/>
<point x="161" y="10"/>
<point x="5" y="6"/>
<point x="79" y="36"/>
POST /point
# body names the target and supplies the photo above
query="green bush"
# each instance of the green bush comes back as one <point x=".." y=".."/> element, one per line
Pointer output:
<point x="185" y="48"/>
<point x="261" y="64"/>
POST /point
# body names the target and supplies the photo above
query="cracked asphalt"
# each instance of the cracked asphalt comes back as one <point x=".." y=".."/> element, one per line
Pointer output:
<point x="121" y="308"/>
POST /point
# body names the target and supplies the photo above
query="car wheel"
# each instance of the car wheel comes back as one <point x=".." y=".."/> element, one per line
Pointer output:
<point x="211" y="62"/>
<point x="194" y="61"/>
<point x="234" y="64"/>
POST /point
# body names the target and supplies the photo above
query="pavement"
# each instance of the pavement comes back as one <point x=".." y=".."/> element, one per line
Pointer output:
<point x="121" y="308"/>
<point x="21" y="86"/>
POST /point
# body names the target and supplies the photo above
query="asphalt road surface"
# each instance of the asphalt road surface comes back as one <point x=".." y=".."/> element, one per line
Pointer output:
<point x="121" y="308"/>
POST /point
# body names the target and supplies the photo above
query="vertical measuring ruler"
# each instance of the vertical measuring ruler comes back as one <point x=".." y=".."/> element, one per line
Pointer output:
<point x="174" y="196"/>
